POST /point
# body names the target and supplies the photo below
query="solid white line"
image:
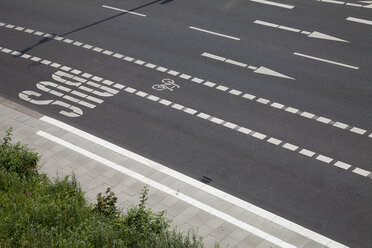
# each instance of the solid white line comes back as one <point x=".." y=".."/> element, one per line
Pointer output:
<point x="213" y="191"/>
<point x="123" y="10"/>
<point x="327" y="61"/>
<point x="286" y="6"/>
<point x="353" y="19"/>
<point x="212" y="56"/>
<point x="210" y="32"/>
<point x="174" y="193"/>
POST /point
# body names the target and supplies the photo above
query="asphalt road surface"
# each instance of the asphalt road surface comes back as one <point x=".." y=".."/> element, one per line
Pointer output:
<point x="272" y="100"/>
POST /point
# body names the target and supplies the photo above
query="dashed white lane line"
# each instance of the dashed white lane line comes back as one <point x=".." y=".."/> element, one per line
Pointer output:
<point x="214" y="33"/>
<point x="219" y="87"/>
<point x="281" y="5"/>
<point x="123" y="10"/>
<point x="346" y="3"/>
<point x="260" y="70"/>
<point x="326" y="60"/>
<point x="174" y="193"/>
<point x="358" y="20"/>
<point x="205" y="116"/>
<point x="315" y="34"/>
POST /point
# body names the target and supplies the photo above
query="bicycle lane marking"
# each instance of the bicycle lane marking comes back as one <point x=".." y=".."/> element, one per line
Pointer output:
<point x="245" y="95"/>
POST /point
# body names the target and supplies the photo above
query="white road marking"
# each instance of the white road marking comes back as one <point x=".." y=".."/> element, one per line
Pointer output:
<point x="123" y="10"/>
<point x="319" y="35"/>
<point x="354" y="19"/>
<point x="314" y="34"/>
<point x="260" y="70"/>
<point x="346" y="3"/>
<point x="342" y="165"/>
<point x="174" y="193"/>
<point x="358" y="130"/>
<point x="281" y="5"/>
<point x="325" y="60"/>
<point x="267" y="71"/>
<point x="218" y="34"/>
<point x="188" y="77"/>
<point x="361" y="172"/>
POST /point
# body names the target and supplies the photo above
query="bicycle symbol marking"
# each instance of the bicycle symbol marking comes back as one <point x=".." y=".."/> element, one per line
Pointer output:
<point x="167" y="84"/>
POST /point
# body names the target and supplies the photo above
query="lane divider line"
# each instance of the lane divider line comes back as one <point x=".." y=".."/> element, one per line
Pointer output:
<point x="314" y="34"/>
<point x="245" y="95"/>
<point x="369" y="6"/>
<point x="123" y="10"/>
<point x="326" y="60"/>
<point x="281" y="5"/>
<point x="358" y="20"/>
<point x="172" y="192"/>
<point x="260" y="70"/>
<point x="214" y="33"/>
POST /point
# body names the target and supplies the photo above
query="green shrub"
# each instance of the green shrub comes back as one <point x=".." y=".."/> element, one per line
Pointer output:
<point x="38" y="212"/>
<point x="16" y="157"/>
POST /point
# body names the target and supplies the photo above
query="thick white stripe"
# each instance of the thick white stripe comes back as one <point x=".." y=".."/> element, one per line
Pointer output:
<point x="281" y="5"/>
<point x="123" y="10"/>
<point x="353" y="19"/>
<point x="327" y="61"/>
<point x="218" y="34"/>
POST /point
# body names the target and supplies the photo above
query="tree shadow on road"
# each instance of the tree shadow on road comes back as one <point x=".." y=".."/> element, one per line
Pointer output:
<point x="46" y="39"/>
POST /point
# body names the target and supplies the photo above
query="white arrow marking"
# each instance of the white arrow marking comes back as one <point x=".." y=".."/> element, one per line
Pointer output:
<point x="319" y="35"/>
<point x="260" y="70"/>
<point x="267" y="71"/>
<point x="314" y="34"/>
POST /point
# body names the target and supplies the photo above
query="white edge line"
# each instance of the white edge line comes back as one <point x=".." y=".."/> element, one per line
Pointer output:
<point x="210" y="32"/>
<point x="325" y="60"/>
<point x="213" y="191"/>
<point x="123" y="10"/>
<point x="170" y="191"/>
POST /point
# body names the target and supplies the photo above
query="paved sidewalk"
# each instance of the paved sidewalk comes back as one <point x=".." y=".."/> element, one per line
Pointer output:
<point x="97" y="164"/>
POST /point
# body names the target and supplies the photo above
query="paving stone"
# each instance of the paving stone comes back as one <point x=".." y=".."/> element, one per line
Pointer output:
<point x="184" y="228"/>
<point x="156" y="197"/>
<point x="313" y="244"/>
<point x="185" y="215"/>
<point x="134" y="189"/>
<point x="250" y="241"/>
<point x="214" y="222"/>
<point x="299" y="240"/>
<point x="201" y="218"/>
<point x="211" y="200"/>
<point x="100" y="188"/>
<point x="228" y="242"/>
<point x="204" y="230"/>
<point x="131" y="164"/>
<point x="238" y="234"/>
<point x="223" y="230"/>
<point x="115" y="179"/>
<point x="128" y="181"/>
<point x="210" y="241"/>
<point x="169" y="201"/>
<point x="266" y="244"/>
<point x="177" y="208"/>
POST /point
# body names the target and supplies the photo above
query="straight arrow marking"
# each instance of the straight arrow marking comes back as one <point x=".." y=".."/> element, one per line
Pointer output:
<point x="314" y="34"/>
<point x="260" y="70"/>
